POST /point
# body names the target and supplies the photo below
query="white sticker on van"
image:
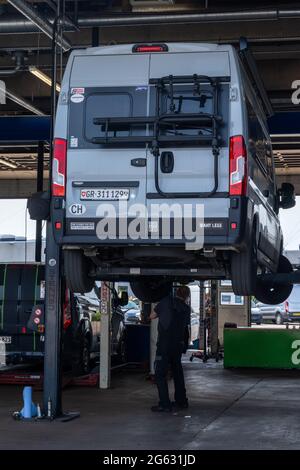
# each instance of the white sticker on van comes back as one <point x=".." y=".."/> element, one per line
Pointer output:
<point x="73" y="142"/>
<point x="77" y="98"/>
<point x="77" y="209"/>
<point x="82" y="226"/>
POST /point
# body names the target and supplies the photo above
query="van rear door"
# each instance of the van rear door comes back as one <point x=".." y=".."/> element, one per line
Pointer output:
<point x="104" y="87"/>
<point x="186" y="170"/>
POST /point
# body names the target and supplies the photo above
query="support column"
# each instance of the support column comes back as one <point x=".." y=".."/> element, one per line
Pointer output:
<point x="201" y="314"/>
<point x="214" y="339"/>
<point x="39" y="188"/>
<point x="53" y="327"/>
<point x="105" y="335"/>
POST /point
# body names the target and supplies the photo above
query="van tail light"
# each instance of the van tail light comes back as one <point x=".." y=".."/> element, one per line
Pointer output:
<point x="237" y="166"/>
<point x="59" y="167"/>
<point x="286" y="306"/>
<point x="67" y="315"/>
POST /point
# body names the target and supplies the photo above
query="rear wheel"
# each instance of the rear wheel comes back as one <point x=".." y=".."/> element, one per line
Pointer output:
<point x="273" y="294"/>
<point x="76" y="271"/>
<point x="244" y="268"/>
<point x="151" y="291"/>
<point x="278" y="319"/>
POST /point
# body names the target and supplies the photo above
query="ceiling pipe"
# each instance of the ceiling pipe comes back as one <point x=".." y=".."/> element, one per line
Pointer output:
<point x="19" y="58"/>
<point x="11" y="25"/>
<point x="41" y="23"/>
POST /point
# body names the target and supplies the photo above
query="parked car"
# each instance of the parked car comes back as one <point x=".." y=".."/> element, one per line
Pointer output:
<point x="274" y="313"/>
<point x="132" y="312"/>
<point x="289" y="310"/>
<point x="293" y="304"/>
<point x="256" y="315"/>
<point x="22" y="326"/>
<point x="22" y="319"/>
<point x="149" y="125"/>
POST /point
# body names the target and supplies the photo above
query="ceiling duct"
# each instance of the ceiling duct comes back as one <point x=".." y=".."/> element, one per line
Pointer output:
<point x="42" y="23"/>
<point x="11" y="25"/>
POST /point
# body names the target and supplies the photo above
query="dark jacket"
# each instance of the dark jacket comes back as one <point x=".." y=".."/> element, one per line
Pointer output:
<point x="174" y="319"/>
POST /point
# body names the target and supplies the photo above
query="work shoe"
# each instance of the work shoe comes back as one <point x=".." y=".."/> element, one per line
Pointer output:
<point x="180" y="406"/>
<point x="161" y="409"/>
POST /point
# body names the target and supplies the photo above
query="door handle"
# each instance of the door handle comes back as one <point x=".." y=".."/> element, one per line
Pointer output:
<point x="167" y="162"/>
<point x="140" y="162"/>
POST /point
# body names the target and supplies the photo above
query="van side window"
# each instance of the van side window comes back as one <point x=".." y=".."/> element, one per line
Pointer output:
<point x="259" y="143"/>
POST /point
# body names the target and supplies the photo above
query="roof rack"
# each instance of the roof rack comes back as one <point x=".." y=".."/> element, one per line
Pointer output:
<point x="250" y="65"/>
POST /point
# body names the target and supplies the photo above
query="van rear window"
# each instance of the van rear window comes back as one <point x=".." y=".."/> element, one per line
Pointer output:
<point x="173" y="114"/>
<point x="104" y="104"/>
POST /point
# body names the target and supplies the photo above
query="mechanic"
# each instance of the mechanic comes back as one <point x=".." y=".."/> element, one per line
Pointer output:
<point x="174" y="315"/>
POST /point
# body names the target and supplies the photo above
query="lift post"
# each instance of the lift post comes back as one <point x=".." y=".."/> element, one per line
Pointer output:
<point x="39" y="188"/>
<point x="53" y="328"/>
<point x="201" y="314"/>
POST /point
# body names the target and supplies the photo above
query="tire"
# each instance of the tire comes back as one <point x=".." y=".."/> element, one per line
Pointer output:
<point x="76" y="267"/>
<point x="82" y="365"/>
<point x="151" y="291"/>
<point x="278" y="319"/>
<point x="274" y="294"/>
<point x="244" y="268"/>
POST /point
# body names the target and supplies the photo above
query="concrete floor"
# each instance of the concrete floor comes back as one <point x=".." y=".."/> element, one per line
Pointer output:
<point x="229" y="410"/>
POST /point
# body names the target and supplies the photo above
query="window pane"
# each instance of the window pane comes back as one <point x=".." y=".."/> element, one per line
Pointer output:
<point x="103" y="105"/>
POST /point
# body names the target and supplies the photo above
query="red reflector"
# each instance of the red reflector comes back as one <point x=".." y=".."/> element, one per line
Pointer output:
<point x="237" y="166"/>
<point x="59" y="167"/>
<point x="23" y="329"/>
<point x="233" y="225"/>
<point x="58" y="225"/>
<point x="150" y="48"/>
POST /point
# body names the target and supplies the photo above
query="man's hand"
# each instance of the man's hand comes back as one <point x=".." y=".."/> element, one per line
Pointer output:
<point x="153" y="315"/>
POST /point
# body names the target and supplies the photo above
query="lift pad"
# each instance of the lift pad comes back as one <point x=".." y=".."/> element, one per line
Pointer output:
<point x="269" y="348"/>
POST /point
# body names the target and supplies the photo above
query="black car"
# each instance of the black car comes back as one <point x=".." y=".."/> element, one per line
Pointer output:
<point x="22" y="319"/>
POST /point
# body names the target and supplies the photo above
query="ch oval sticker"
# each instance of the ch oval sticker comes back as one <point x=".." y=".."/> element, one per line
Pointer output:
<point x="77" y="209"/>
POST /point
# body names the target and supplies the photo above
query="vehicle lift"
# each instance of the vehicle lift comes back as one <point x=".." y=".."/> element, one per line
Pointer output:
<point x="53" y="309"/>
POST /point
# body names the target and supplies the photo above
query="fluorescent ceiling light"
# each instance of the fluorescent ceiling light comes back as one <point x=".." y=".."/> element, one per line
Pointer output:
<point x="9" y="164"/>
<point x="43" y="77"/>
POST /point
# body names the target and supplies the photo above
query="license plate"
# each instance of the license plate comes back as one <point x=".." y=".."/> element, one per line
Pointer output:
<point x="105" y="194"/>
<point x="296" y="314"/>
<point x="5" y="339"/>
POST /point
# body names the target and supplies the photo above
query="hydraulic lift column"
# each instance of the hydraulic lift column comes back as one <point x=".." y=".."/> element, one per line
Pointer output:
<point x="39" y="188"/>
<point x="53" y="327"/>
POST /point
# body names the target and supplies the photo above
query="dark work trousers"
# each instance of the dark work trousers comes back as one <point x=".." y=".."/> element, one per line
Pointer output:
<point x="164" y="358"/>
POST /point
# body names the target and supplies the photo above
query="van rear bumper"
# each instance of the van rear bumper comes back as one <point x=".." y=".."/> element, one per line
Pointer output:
<point x="228" y="232"/>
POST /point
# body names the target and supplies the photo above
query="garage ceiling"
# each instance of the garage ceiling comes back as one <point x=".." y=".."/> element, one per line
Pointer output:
<point x="272" y="30"/>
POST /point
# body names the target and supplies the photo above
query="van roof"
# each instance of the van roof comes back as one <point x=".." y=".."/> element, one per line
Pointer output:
<point x="173" y="47"/>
